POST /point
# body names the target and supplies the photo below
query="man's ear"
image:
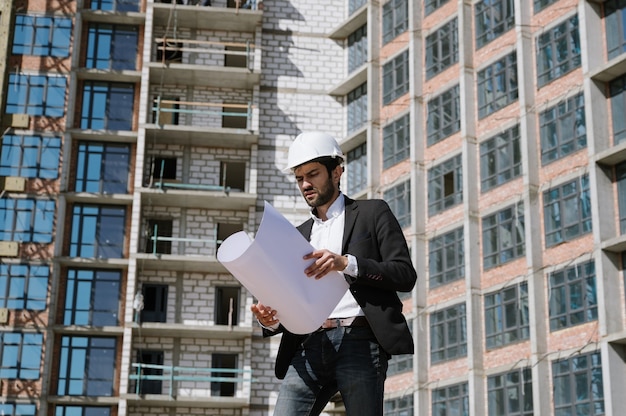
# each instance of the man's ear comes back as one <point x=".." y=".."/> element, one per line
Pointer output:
<point x="337" y="172"/>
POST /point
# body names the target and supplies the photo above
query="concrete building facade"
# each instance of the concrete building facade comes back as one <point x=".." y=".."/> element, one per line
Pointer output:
<point x="137" y="135"/>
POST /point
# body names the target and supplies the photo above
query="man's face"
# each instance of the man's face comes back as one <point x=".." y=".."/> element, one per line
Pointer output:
<point x="317" y="186"/>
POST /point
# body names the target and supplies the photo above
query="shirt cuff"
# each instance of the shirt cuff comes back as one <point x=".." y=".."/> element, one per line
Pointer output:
<point x="272" y="328"/>
<point x="352" y="269"/>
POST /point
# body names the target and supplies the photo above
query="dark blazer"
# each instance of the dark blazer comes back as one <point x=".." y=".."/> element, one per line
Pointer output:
<point x="372" y="235"/>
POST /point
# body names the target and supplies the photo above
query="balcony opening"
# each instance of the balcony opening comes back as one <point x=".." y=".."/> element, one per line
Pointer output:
<point x="224" y="230"/>
<point x="159" y="228"/>
<point x="225" y="361"/>
<point x="151" y="358"/>
<point x="154" y="303"/>
<point x="164" y="168"/>
<point x="234" y="116"/>
<point x="227" y="305"/>
<point x="169" y="51"/>
<point x="236" y="60"/>
<point x="233" y="176"/>
<point x="167" y="112"/>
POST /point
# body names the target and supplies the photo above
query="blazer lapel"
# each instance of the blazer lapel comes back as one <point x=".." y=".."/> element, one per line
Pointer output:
<point x="350" y="219"/>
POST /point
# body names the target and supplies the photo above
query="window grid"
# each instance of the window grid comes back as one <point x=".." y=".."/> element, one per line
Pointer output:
<point x="567" y="211"/>
<point x="116" y="5"/>
<point x="577" y="385"/>
<point x="86" y="366"/>
<point x="615" y="23"/>
<point x="445" y="185"/>
<point x="36" y="95"/>
<point x="620" y="179"/>
<point x="30" y="156"/>
<point x="497" y="85"/>
<point x="97" y="231"/>
<point x="18" y="409"/>
<point x="356" y="169"/>
<point x="27" y="220"/>
<point x="442" y="48"/>
<point x="563" y="129"/>
<point x="444" y="115"/>
<point x="396" y="78"/>
<point x="558" y="51"/>
<point x="507" y="316"/>
<point x="573" y="297"/>
<point x="446" y="258"/>
<point x="510" y="393"/>
<point x="451" y="400"/>
<point x="107" y="105"/>
<point x="24" y="286"/>
<point x="92" y="297"/>
<point x="400" y="406"/>
<point x="396" y="142"/>
<point x="542" y="4"/>
<point x="617" y="91"/>
<point x="493" y="19"/>
<point x="503" y="236"/>
<point x="357" y="107"/>
<point x="399" y="200"/>
<point x="448" y="337"/>
<point x="111" y="47"/>
<point x="395" y="19"/>
<point x="500" y="159"/>
<point x="102" y="168"/>
<point x="357" y="48"/>
<point x="42" y="35"/>
<point x="82" y="411"/>
<point x="20" y="355"/>
<point x="432" y="5"/>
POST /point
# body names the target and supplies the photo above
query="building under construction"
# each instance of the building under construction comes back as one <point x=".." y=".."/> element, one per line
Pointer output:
<point x="137" y="135"/>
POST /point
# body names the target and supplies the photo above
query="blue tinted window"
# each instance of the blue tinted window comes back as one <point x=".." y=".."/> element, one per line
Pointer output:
<point x="92" y="297"/>
<point x="102" y="168"/>
<point x="37" y="95"/>
<point x="21" y="355"/>
<point x="26" y="220"/>
<point x="87" y="366"/>
<point x="82" y="411"/>
<point x="107" y="105"/>
<point x="111" y="47"/>
<point x="30" y="156"/>
<point x="18" y="409"/>
<point x="115" y="5"/>
<point x="23" y="286"/>
<point x="42" y="35"/>
<point x="97" y="231"/>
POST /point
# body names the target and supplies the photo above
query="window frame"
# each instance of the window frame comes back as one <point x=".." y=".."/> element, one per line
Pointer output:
<point x="57" y="30"/>
<point x="447" y="107"/>
<point x="91" y="290"/>
<point x="567" y="376"/>
<point x="395" y="19"/>
<point x="504" y="387"/>
<point x="617" y="94"/>
<point x="396" y="78"/>
<point x="24" y="286"/>
<point x="451" y="400"/>
<point x="503" y="236"/>
<point x="29" y="220"/>
<point x="21" y="355"/>
<point x="119" y="39"/>
<point x="548" y="51"/>
<point x="106" y="161"/>
<point x="356" y="108"/>
<point x="398" y="198"/>
<point x="30" y="156"/>
<point x="615" y="27"/>
<point x="449" y="248"/>
<point x="356" y="45"/>
<point x="507" y="318"/>
<point x="557" y="204"/>
<point x="100" y="218"/>
<point x="573" y="296"/>
<point x="501" y="73"/>
<point x="447" y="322"/>
<point x="110" y="114"/>
<point x="488" y="11"/>
<point x="500" y="159"/>
<point x="37" y="95"/>
<point x="74" y="359"/>
<point x="445" y="185"/>
<point x="561" y="123"/>
<point x="442" y="48"/>
<point x="396" y="141"/>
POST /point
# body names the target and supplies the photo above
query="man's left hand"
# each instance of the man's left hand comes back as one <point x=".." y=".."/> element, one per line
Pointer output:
<point x="325" y="262"/>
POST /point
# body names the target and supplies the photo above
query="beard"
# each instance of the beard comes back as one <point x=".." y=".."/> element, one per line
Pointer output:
<point x="324" y="194"/>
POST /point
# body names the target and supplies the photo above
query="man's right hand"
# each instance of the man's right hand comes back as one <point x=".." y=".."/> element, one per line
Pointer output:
<point x="264" y="314"/>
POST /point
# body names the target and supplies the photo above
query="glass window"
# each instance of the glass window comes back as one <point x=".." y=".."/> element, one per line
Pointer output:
<point x="493" y="19"/>
<point x="37" y="95"/>
<point x="500" y="159"/>
<point x="400" y="406"/>
<point x="87" y="366"/>
<point x="563" y="129"/>
<point x="97" y="231"/>
<point x="432" y="5"/>
<point x="227" y="305"/>
<point x="20" y="355"/>
<point x="396" y="78"/>
<point x="27" y="220"/>
<point x="620" y="179"/>
<point x="577" y="385"/>
<point x="354" y="5"/>
<point x="445" y="185"/>
<point x="448" y="336"/>
<point x="506" y="316"/>
<point x="24" y="286"/>
<point x="107" y="105"/>
<point x="102" y="168"/>
<point x="446" y="258"/>
<point x="497" y="85"/>
<point x="503" y="236"/>
<point x="615" y="23"/>
<point x="111" y="47"/>
<point x="542" y="4"/>
<point x="18" y="409"/>
<point x="42" y="35"/>
<point x="395" y="19"/>
<point x="617" y="90"/>
<point x="228" y="362"/>
<point x="444" y="115"/>
<point x="82" y="411"/>
<point x="399" y="200"/>
<point x="573" y="296"/>
<point x="92" y="297"/>
<point x="116" y="5"/>
<point x="567" y="211"/>
<point x="356" y="169"/>
<point x="357" y="108"/>
<point x="357" y="48"/>
<point x="396" y="141"/>
<point x="29" y="156"/>
<point x="451" y="400"/>
<point x="510" y="393"/>
<point x="442" y="48"/>
<point x="558" y="51"/>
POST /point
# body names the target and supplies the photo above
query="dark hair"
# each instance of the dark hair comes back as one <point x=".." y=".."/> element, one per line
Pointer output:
<point x="329" y="162"/>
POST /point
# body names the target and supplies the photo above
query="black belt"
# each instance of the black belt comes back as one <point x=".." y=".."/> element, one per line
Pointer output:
<point x="338" y="322"/>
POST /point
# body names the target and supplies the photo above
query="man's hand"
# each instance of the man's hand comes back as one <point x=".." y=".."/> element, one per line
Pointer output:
<point x="325" y="262"/>
<point x="264" y="314"/>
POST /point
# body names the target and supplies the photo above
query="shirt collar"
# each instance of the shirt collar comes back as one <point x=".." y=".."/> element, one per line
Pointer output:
<point x="335" y="209"/>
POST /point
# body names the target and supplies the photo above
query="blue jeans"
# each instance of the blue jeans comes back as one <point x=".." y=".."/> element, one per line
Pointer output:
<point x="344" y="359"/>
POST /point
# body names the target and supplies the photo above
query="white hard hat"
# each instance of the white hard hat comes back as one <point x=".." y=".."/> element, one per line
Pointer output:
<point x="309" y="146"/>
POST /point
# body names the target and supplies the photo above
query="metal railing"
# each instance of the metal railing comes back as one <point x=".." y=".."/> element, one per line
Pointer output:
<point x="163" y="184"/>
<point x="200" y="109"/>
<point x="176" y="375"/>
<point x="174" y="47"/>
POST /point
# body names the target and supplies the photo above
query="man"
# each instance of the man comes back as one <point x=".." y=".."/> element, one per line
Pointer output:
<point x="363" y="240"/>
